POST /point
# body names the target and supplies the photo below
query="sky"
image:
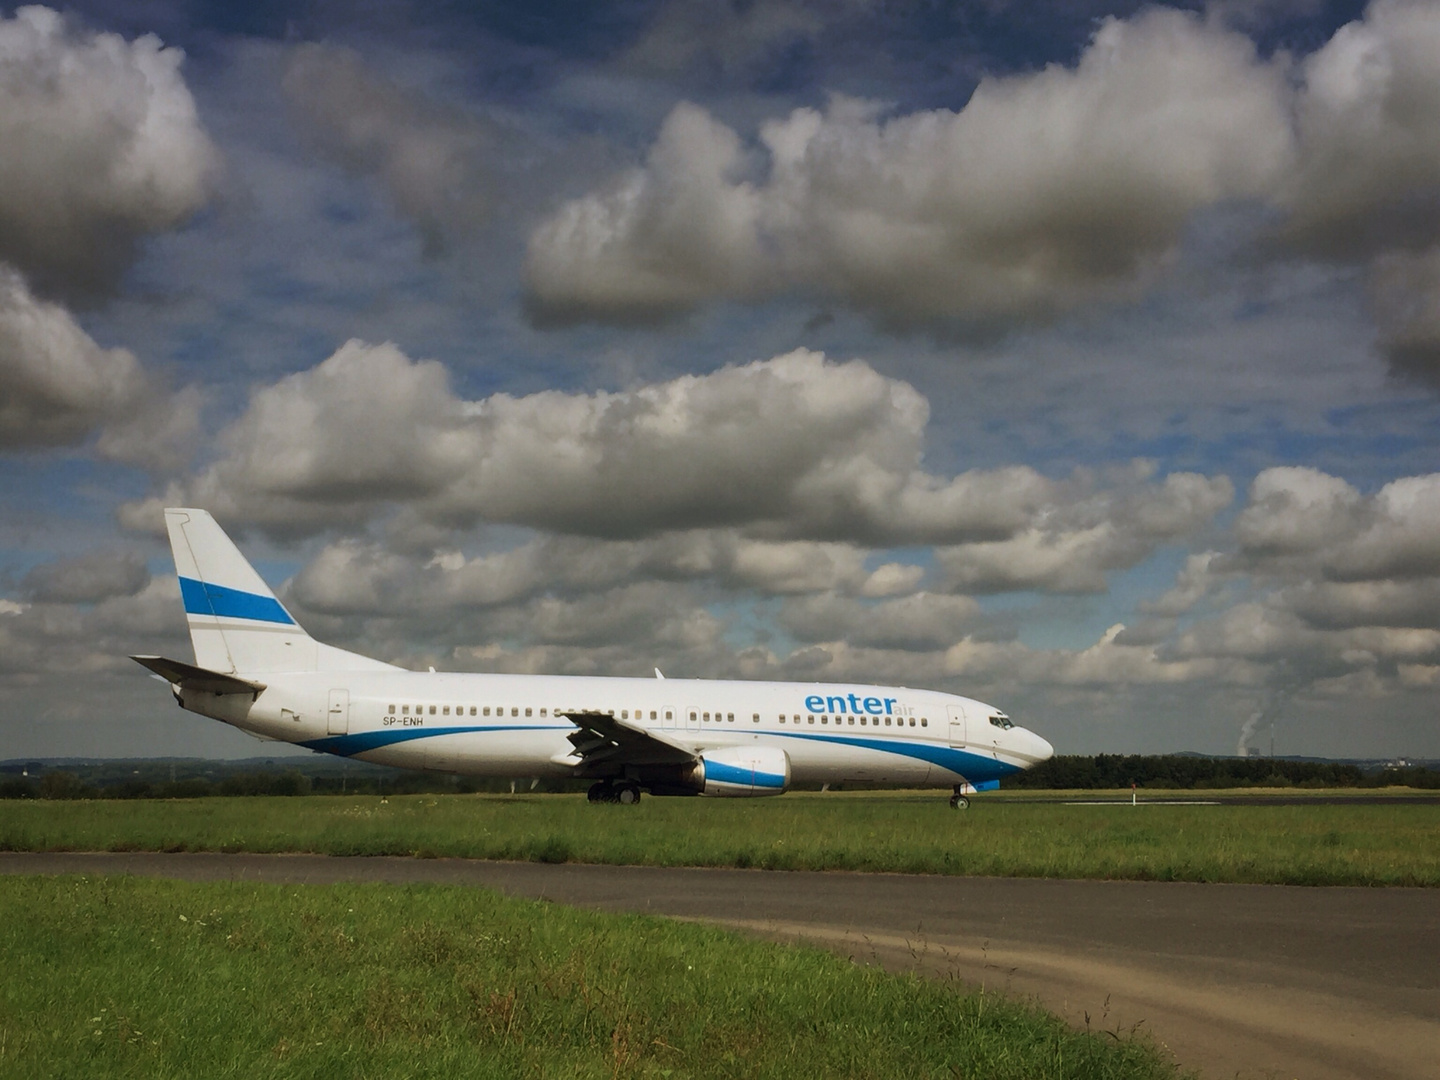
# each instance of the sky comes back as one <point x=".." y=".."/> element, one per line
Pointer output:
<point x="1081" y="358"/>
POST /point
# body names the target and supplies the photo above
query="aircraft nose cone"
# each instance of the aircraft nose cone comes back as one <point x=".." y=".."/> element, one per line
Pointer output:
<point x="1042" y="749"/>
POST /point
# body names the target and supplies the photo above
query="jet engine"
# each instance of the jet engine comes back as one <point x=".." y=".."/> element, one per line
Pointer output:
<point x="740" y="771"/>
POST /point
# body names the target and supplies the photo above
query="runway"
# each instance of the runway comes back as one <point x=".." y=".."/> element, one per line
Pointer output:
<point x="1237" y="980"/>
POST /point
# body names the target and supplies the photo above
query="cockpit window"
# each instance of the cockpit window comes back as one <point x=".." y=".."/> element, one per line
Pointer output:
<point x="1002" y="722"/>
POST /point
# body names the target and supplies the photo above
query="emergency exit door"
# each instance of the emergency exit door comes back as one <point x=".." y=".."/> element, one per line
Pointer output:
<point x="957" y="725"/>
<point x="338" y="715"/>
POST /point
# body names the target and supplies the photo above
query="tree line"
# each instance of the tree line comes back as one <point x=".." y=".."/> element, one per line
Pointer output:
<point x="1185" y="771"/>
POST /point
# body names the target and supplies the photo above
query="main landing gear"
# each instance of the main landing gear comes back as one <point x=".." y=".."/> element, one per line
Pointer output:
<point x="959" y="801"/>
<point x="623" y="792"/>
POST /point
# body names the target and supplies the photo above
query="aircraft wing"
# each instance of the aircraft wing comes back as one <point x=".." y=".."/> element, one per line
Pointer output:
<point x="604" y="740"/>
<point x="190" y="677"/>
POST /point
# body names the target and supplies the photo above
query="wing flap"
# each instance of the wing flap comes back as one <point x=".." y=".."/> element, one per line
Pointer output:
<point x="601" y="738"/>
<point x="190" y="677"/>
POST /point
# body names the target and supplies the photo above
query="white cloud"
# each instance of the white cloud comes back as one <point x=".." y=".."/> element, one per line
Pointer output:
<point x="1296" y="510"/>
<point x="430" y="158"/>
<point x="1193" y="582"/>
<point x="56" y="637"/>
<point x="58" y="387"/>
<point x="1302" y="522"/>
<point x="1367" y="184"/>
<point x="1046" y="191"/>
<point x="1339" y="582"/>
<point x="354" y="578"/>
<point x="1368" y="117"/>
<point x="1072" y="547"/>
<point x="796" y="448"/>
<point x="1405" y="298"/>
<point x="102" y="145"/>
<point x="920" y="622"/>
<point x="86" y="579"/>
<point x="660" y="239"/>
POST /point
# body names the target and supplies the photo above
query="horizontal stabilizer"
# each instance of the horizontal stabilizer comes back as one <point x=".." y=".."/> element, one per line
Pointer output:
<point x="190" y="677"/>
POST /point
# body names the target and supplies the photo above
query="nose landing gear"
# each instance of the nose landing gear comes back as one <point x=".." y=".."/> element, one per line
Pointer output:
<point x="959" y="801"/>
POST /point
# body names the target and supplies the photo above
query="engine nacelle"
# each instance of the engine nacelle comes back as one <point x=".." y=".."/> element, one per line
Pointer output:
<point x="741" y="771"/>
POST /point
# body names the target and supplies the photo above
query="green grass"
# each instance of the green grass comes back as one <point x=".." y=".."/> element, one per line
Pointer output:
<point x="1301" y="845"/>
<point x="134" y="978"/>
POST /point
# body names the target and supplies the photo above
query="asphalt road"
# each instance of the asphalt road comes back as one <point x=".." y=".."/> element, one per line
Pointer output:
<point x="1236" y="980"/>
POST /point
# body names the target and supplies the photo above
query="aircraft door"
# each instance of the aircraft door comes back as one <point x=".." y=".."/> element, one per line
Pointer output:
<point x="957" y="725"/>
<point x="692" y="718"/>
<point x="338" y="715"/>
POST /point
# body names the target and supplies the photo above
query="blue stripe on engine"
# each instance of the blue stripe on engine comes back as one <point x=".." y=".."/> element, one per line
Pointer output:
<point x="975" y="768"/>
<point x="359" y="743"/>
<point x="202" y="598"/>
<point x="719" y="773"/>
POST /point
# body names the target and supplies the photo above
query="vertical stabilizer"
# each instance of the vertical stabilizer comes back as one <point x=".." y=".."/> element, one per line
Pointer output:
<point x="236" y="623"/>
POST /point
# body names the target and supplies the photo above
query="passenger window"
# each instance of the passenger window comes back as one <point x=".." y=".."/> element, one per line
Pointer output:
<point x="529" y="712"/>
<point x="514" y="711"/>
<point x="730" y="716"/>
<point x="692" y="717"/>
<point x="542" y="712"/>
<point x="446" y="710"/>
<point x="487" y="710"/>
<point x="707" y="718"/>
<point x="652" y="714"/>
<point x="924" y="721"/>
<point x="756" y="718"/>
<point x="852" y="721"/>
<point x="404" y="710"/>
<point x="667" y="715"/>
<point x="624" y="714"/>
<point x="392" y="710"/>
<point x="824" y="719"/>
<point x="432" y="710"/>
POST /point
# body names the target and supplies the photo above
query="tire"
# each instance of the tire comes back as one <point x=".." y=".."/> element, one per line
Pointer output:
<point x="598" y="792"/>
<point x="628" y="794"/>
<point x="959" y="802"/>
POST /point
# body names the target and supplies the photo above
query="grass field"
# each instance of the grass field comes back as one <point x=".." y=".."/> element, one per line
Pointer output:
<point x="132" y="978"/>
<point x="1301" y="845"/>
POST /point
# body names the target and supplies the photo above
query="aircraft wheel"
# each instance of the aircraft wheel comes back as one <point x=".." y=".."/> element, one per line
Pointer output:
<point x="599" y="792"/>
<point x="959" y="802"/>
<point x="628" y="794"/>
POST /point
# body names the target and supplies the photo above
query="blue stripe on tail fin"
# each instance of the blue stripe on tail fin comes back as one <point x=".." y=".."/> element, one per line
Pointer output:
<point x="202" y="598"/>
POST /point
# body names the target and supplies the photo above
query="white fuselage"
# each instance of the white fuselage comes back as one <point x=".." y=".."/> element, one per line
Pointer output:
<point x="507" y="725"/>
<point x="256" y="668"/>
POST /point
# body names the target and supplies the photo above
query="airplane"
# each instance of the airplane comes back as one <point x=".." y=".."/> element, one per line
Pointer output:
<point x="256" y="669"/>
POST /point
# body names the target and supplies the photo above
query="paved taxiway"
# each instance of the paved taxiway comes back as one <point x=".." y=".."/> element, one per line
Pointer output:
<point x="1259" y="981"/>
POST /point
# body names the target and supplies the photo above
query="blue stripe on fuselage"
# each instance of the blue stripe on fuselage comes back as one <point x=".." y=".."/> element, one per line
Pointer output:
<point x="203" y="598"/>
<point x="973" y="767"/>
<point x="976" y="768"/>
<point x="360" y="742"/>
